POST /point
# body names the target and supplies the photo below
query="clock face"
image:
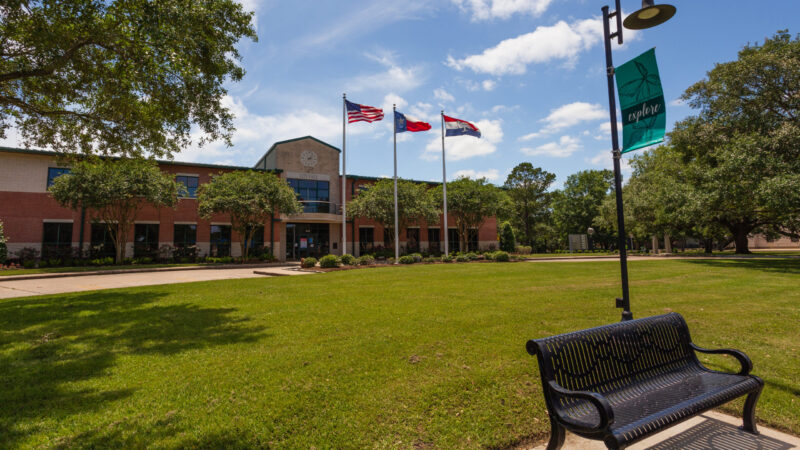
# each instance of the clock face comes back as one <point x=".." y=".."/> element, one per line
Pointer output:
<point x="308" y="158"/>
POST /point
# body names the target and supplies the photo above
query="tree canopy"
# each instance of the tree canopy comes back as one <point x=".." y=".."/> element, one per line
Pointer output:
<point x="119" y="77"/>
<point x="470" y="202"/>
<point x="250" y="198"/>
<point x="114" y="191"/>
<point x="376" y="202"/>
<point x="578" y="203"/>
<point x="527" y="187"/>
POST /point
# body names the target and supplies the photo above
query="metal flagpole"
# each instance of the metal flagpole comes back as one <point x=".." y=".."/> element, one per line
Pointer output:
<point x="444" y="193"/>
<point x="344" y="175"/>
<point x="396" y="231"/>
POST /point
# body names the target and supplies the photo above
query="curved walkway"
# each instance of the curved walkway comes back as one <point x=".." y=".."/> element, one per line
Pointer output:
<point x="22" y="288"/>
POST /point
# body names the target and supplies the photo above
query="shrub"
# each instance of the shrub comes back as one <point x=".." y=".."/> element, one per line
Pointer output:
<point x="28" y="263"/>
<point x="462" y="258"/>
<point x="507" y="240"/>
<point x="107" y="261"/>
<point x="523" y="249"/>
<point x="417" y="257"/>
<point x="309" y="262"/>
<point x="407" y="259"/>
<point x="366" y="260"/>
<point x="3" y="247"/>
<point x="430" y="259"/>
<point x="501" y="256"/>
<point x="143" y="260"/>
<point x="329" y="261"/>
<point x="447" y="258"/>
<point x="348" y="260"/>
<point x="28" y="254"/>
<point x="471" y="256"/>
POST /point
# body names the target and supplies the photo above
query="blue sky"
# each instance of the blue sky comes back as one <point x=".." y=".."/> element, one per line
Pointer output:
<point x="529" y="73"/>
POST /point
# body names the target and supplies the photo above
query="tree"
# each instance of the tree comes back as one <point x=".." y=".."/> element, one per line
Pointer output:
<point x="578" y="203"/>
<point x="470" y="202"/>
<point x="3" y="246"/>
<point x="738" y="159"/>
<point x="527" y="187"/>
<point x="414" y="203"/>
<point x="119" y="77"/>
<point x="113" y="191"/>
<point x="250" y="198"/>
<point x="508" y="242"/>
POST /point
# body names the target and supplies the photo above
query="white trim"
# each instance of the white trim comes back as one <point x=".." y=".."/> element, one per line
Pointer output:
<point x="181" y="174"/>
<point x="146" y="222"/>
<point x="308" y="176"/>
<point x="220" y="223"/>
<point x="366" y="226"/>
<point x="184" y="223"/>
<point x="58" y="221"/>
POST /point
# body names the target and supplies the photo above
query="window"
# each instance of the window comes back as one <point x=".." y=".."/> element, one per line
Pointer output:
<point x="145" y="240"/>
<point x="434" y="244"/>
<point x="190" y="183"/>
<point x="314" y="194"/>
<point x="388" y="237"/>
<point x="412" y="240"/>
<point x="53" y="173"/>
<point x="472" y="240"/>
<point x="102" y="245"/>
<point x="452" y="240"/>
<point x="57" y="240"/>
<point x="220" y="241"/>
<point x="366" y="239"/>
<point x="257" y="238"/>
<point x="185" y="240"/>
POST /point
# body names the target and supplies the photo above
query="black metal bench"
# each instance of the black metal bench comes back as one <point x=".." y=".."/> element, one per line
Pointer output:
<point x="623" y="382"/>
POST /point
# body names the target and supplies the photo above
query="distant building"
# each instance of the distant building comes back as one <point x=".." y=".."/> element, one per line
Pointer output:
<point x="33" y="219"/>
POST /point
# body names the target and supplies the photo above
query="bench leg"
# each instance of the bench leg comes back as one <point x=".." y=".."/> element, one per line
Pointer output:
<point x="749" y="422"/>
<point x="557" y="435"/>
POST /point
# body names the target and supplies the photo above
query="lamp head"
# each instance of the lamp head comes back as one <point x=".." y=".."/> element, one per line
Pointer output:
<point x="649" y="16"/>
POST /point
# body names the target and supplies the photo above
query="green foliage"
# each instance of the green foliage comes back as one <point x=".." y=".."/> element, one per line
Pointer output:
<point x="470" y="202"/>
<point x="447" y="258"/>
<point x="472" y="256"/>
<point x="431" y="259"/>
<point x="527" y="187"/>
<point x="576" y="206"/>
<point x="523" y="249"/>
<point x="329" y="261"/>
<point x="507" y="241"/>
<point x="348" y="260"/>
<point x="501" y="256"/>
<point x="365" y="260"/>
<point x="250" y="198"/>
<point x="416" y="256"/>
<point x="114" y="191"/>
<point x="119" y="77"/>
<point x="414" y="203"/>
<point x="3" y="246"/>
<point x="309" y="262"/>
<point x="461" y="258"/>
<point x="107" y="261"/>
<point x="406" y="259"/>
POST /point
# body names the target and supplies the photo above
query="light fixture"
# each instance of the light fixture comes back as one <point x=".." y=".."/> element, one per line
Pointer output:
<point x="649" y="16"/>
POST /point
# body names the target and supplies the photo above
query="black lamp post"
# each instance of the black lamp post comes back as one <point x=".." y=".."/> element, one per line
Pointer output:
<point x="649" y="16"/>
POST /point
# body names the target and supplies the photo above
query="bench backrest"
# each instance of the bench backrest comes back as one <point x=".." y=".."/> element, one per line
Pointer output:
<point x="609" y="357"/>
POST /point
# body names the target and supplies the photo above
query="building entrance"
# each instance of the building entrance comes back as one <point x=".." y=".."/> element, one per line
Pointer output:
<point x="307" y="239"/>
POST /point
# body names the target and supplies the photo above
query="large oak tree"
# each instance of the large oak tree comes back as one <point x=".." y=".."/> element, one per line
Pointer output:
<point x="119" y="77"/>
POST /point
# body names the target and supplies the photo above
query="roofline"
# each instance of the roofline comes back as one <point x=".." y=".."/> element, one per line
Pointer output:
<point x="159" y="161"/>
<point x="272" y="147"/>
<point x="368" y="178"/>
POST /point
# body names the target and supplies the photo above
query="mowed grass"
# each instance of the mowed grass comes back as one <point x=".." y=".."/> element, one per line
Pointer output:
<point x="424" y="355"/>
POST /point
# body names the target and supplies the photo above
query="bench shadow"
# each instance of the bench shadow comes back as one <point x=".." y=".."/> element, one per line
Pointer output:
<point x="713" y="434"/>
<point x="51" y="346"/>
<point x="788" y="266"/>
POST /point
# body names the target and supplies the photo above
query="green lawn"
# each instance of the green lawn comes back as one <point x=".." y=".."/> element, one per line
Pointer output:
<point x="13" y="272"/>
<point x="424" y="355"/>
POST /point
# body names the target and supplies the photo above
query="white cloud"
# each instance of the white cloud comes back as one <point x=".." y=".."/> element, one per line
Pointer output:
<point x="490" y="174"/>
<point x="566" y="116"/>
<point x="443" y="96"/>
<point x="677" y="102"/>
<point x="561" y="41"/>
<point x="395" y="77"/>
<point x="605" y="160"/>
<point x="501" y="9"/>
<point x="565" y="147"/>
<point x="488" y="85"/>
<point x="464" y="147"/>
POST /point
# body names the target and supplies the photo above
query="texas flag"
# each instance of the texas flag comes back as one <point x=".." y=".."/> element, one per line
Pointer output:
<point x="403" y="123"/>
<point x="457" y="127"/>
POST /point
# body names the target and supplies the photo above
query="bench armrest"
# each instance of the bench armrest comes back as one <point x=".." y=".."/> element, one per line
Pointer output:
<point x="747" y="365"/>
<point x="598" y="401"/>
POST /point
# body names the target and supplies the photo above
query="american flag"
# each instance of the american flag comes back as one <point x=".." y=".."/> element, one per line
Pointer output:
<point x="362" y="113"/>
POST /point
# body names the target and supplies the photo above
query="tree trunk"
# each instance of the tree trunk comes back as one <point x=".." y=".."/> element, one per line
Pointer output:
<point x="709" y="245"/>
<point x="740" y="239"/>
<point x="667" y="243"/>
<point x="655" y="245"/>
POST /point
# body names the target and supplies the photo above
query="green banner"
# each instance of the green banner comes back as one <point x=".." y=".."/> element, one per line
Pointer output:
<point x="641" y="99"/>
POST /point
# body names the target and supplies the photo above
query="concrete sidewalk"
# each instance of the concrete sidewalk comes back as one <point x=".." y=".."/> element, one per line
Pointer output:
<point x="709" y="431"/>
<point x="45" y="286"/>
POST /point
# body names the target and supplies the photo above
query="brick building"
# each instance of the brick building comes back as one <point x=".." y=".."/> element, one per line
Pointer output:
<point x="33" y="219"/>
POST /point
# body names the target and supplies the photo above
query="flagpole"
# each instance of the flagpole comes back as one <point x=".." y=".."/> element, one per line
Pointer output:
<point x="396" y="231"/>
<point x="444" y="192"/>
<point x="344" y="175"/>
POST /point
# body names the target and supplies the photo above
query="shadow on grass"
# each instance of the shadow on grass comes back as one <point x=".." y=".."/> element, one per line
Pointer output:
<point x="788" y="266"/>
<point x="48" y="345"/>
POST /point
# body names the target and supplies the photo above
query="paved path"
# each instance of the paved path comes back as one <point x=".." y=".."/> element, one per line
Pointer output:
<point x="23" y="288"/>
<point x="711" y="430"/>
